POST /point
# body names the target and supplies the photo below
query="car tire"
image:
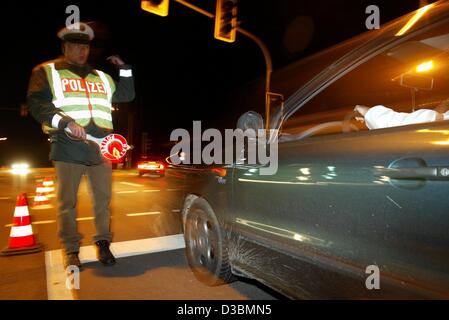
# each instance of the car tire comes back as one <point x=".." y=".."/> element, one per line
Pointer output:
<point x="140" y="174"/>
<point x="206" y="248"/>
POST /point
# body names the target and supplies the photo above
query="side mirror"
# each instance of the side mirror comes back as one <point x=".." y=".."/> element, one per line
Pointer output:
<point x="250" y="120"/>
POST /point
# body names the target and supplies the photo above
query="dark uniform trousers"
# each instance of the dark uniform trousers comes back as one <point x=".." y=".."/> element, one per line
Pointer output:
<point x="69" y="177"/>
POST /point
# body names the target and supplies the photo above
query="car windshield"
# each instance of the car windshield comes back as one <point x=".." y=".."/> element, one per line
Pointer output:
<point x="409" y="74"/>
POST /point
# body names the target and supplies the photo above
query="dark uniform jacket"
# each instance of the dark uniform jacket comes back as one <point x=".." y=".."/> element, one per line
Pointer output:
<point x="39" y="100"/>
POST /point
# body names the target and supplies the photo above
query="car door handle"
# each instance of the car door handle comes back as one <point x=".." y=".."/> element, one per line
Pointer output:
<point x="427" y="173"/>
<point x="414" y="169"/>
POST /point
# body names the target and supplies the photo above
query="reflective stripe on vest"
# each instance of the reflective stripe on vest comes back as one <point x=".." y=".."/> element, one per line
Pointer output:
<point x="108" y="88"/>
<point x="78" y="104"/>
<point x="85" y="114"/>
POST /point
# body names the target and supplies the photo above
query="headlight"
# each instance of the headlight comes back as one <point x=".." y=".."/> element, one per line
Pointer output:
<point x="20" y="168"/>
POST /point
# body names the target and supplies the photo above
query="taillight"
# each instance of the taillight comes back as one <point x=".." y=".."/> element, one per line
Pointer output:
<point x="151" y="165"/>
<point x="219" y="171"/>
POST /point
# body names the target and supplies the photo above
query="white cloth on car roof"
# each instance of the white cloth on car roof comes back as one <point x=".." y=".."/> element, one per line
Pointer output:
<point x="380" y="117"/>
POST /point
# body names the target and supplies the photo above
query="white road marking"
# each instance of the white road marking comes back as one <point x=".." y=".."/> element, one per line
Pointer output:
<point x="132" y="184"/>
<point x="42" y="207"/>
<point x="56" y="275"/>
<point x="151" y="190"/>
<point x="44" y="222"/>
<point x="176" y="210"/>
<point x="84" y="218"/>
<point x="143" y="214"/>
<point x="50" y="221"/>
<point x="5" y="198"/>
<point x="123" y="192"/>
<point x="36" y="222"/>
<point x="92" y="218"/>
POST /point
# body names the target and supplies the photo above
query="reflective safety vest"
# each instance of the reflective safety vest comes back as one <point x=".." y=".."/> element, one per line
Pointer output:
<point x="82" y="99"/>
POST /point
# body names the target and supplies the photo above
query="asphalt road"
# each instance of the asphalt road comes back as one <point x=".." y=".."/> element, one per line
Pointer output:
<point x="145" y="223"/>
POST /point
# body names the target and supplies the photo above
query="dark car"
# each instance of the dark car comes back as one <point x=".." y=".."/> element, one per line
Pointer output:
<point x="153" y="166"/>
<point x="347" y="205"/>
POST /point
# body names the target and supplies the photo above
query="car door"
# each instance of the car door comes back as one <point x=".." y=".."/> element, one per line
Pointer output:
<point x="339" y="204"/>
<point x="344" y="204"/>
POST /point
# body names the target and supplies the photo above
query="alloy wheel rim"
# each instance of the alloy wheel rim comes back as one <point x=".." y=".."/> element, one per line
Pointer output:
<point x="203" y="242"/>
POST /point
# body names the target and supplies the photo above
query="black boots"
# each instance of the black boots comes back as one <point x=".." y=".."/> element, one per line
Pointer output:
<point x="104" y="254"/>
<point x="71" y="259"/>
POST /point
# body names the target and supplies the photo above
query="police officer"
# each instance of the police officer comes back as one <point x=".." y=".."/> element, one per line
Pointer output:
<point x="69" y="93"/>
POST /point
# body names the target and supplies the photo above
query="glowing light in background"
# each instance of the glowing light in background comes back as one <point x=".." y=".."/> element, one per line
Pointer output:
<point x="446" y="132"/>
<point x="418" y="15"/>
<point x="301" y="237"/>
<point x="441" y="143"/>
<point x="425" y="66"/>
<point x="20" y="168"/>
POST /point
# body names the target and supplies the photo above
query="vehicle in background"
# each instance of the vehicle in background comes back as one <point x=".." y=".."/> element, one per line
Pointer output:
<point x="22" y="168"/>
<point x="153" y="166"/>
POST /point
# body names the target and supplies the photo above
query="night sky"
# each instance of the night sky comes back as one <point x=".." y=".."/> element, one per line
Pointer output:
<point x="182" y="73"/>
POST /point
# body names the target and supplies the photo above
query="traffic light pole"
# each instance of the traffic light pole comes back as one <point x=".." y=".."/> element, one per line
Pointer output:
<point x="269" y="71"/>
<point x="262" y="46"/>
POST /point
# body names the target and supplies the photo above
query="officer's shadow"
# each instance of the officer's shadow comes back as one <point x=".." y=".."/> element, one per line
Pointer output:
<point x="138" y="265"/>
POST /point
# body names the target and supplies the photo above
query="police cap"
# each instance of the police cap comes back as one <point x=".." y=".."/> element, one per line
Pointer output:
<point x="77" y="33"/>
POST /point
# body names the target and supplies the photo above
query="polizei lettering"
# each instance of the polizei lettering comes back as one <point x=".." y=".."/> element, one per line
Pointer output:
<point x="77" y="85"/>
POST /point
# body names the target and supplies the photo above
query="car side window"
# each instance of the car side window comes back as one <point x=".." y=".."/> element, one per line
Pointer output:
<point x="412" y="76"/>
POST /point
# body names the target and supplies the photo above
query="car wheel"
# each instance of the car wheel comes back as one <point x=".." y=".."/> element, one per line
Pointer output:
<point x="140" y="174"/>
<point x="206" y="250"/>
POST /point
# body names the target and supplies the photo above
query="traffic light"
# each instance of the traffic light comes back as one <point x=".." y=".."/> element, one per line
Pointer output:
<point x="226" y="20"/>
<point x="159" y="7"/>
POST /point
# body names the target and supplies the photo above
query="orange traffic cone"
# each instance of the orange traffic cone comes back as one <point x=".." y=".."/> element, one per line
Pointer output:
<point x="48" y="187"/>
<point x="40" y="200"/>
<point x="21" y="238"/>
